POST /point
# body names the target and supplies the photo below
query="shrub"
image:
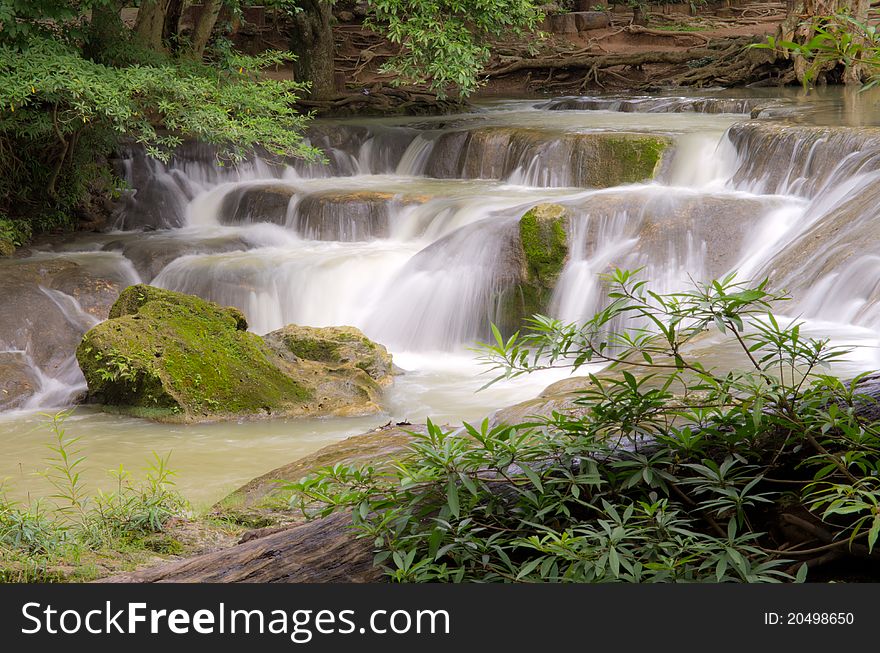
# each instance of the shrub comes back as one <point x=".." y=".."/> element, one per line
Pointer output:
<point x="664" y="470"/>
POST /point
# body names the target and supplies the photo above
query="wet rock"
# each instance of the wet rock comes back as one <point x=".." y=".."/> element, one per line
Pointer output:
<point x="336" y="347"/>
<point x="17" y="380"/>
<point x="348" y="216"/>
<point x="446" y="154"/>
<point x="256" y="203"/>
<point x="377" y="447"/>
<point x="707" y="231"/>
<point x="830" y="268"/>
<point x="177" y="357"/>
<point x="785" y="158"/>
<point x="540" y="158"/>
<point x="543" y="233"/>
<point x="627" y="104"/>
<point x="46" y="305"/>
<point x="150" y="254"/>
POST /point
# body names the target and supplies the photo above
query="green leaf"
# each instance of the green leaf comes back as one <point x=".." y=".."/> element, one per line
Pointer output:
<point x="452" y="496"/>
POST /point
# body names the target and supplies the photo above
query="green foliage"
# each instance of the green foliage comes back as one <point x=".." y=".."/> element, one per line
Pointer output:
<point x="837" y="40"/>
<point x="664" y="471"/>
<point x="445" y="43"/>
<point x="16" y="232"/>
<point x="62" y="111"/>
<point x="35" y="538"/>
<point x="22" y="20"/>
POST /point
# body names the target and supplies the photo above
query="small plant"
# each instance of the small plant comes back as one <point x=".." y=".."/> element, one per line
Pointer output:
<point x="16" y="232"/>
<point x="35" y="538"/>
<point x="30" y="529"/>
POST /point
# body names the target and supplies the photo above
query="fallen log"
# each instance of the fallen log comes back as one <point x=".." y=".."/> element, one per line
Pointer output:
<point x="320" y="551"/>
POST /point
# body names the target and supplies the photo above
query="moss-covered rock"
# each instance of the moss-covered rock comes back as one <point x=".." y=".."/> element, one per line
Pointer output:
<point x="613" y="159"/>
<point x="6" y="248"/>
<point x="171" y="356"/>
<point x="336" y="347"/>
<point x="540" y="255"/>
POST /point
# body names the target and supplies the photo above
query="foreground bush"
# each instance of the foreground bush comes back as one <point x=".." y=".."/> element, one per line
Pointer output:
<point x="664" y="471"/>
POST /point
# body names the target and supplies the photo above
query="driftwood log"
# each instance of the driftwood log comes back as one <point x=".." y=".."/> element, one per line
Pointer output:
<point x="321" y="551"/>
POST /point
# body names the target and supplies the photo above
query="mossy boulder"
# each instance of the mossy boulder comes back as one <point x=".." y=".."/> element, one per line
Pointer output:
<point x="613" y="159"/>
<point x="176" y="357"/>
<point x="345" y="370"/>
<point x="336" y="347"/>
<point x="6" y="248"/>
<point x="540" y="255"/>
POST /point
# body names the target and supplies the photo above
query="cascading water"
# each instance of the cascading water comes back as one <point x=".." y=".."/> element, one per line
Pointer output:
<point x="410" y="232"/>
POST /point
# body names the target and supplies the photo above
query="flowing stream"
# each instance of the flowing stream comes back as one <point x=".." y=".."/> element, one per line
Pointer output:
<point x="404" y="233"/>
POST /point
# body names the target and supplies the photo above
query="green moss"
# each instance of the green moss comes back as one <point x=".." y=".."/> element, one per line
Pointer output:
<point x="162" y="543"/>
<point x="6" y="248"/>
<point x="340" y="348"/>
<point x="613" y="159"/>
<point x="172" y="356"/>
<point x="543" y="232"/>
<point x="544" y="240"/>
<point x="313" y="349"/>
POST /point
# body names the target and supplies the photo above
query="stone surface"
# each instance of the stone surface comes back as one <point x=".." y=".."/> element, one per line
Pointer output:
<point x="256" y="203"/>
<point x="596" y="159"/>
<point x="17" y="380"/>
<point x="32" y="320"/>
<point x="150" y="255"/>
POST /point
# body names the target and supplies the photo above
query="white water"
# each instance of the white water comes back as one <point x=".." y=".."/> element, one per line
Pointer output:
<point x="418" y="262"/>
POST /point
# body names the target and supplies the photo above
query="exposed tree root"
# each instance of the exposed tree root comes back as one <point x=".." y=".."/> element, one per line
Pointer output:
<point x="380" y="98"/>
<point x="725" y="62"/>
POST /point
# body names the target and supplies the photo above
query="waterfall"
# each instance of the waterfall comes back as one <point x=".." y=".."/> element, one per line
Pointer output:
<point x="409" y="229"/>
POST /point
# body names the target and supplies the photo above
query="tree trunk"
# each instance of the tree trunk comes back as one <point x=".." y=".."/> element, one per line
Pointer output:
<point x="171" y="25"/>
<point x="105" y="29"/>
<point x="798" y="27"/>
<point x="204" y="27"/>
<point x="321" y="551"/>
<point x="312" y="43"/>
<point x="639" y="16"/>
<point x="150" y="22"/>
